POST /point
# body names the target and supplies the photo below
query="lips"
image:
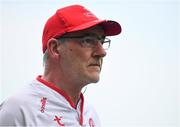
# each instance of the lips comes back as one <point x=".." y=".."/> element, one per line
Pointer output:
<point x="96" y="63"/>
<point x="95" y="66"/>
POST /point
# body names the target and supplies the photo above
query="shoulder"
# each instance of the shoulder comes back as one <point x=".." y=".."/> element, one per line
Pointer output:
<point x="10" y="111"/>
<point x="15" y="109"/>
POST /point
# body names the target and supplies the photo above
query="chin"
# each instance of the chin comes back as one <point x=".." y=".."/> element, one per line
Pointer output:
<point x="94" y="79"/>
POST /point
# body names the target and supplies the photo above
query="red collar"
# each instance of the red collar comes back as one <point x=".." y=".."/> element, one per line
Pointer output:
<point x="61" y="92"/>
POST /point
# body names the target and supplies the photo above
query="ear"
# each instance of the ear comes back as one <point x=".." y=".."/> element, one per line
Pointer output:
<point x="52" y="47"/>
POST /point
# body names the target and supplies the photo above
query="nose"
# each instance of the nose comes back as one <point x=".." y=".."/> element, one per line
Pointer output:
<point x="99" y="51"/>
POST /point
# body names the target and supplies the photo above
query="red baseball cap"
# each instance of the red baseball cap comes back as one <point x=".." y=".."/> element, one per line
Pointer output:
<point x="74" y="18"/>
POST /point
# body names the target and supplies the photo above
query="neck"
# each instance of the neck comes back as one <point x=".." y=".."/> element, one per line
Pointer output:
<point x="72" y="90"/>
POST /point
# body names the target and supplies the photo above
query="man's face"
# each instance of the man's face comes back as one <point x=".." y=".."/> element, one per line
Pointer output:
<point x="79" y="63"/>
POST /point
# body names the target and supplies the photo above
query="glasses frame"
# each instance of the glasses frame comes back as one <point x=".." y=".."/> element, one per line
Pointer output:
<point x="83" y="39"/>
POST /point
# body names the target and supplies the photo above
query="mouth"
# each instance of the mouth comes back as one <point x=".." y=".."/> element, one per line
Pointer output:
<point x="95" y="65"/>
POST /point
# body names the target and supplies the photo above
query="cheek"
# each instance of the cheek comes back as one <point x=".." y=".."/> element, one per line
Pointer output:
<point x="81" y="60"/>
<point x="77" y="57"/>
<point x="80" y="56"/>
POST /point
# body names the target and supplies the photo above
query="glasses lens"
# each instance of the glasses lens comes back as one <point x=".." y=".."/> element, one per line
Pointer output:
<point x="92" y="41"/>
<point x="106" y="43"/>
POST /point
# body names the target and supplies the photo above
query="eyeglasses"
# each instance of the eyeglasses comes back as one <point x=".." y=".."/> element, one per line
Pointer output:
<point x="91" y="41"/>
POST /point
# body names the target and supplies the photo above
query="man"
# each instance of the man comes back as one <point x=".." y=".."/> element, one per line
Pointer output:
<point x="74" y="44"/>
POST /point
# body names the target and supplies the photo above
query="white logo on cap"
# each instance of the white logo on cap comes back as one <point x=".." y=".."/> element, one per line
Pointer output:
<point x="88" y="14"/>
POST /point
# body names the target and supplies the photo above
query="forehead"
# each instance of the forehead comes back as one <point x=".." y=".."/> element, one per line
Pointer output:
<point x="95" y="30"/>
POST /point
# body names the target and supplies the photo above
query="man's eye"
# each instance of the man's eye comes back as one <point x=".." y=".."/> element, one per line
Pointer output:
<point x="89" y="40"/>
